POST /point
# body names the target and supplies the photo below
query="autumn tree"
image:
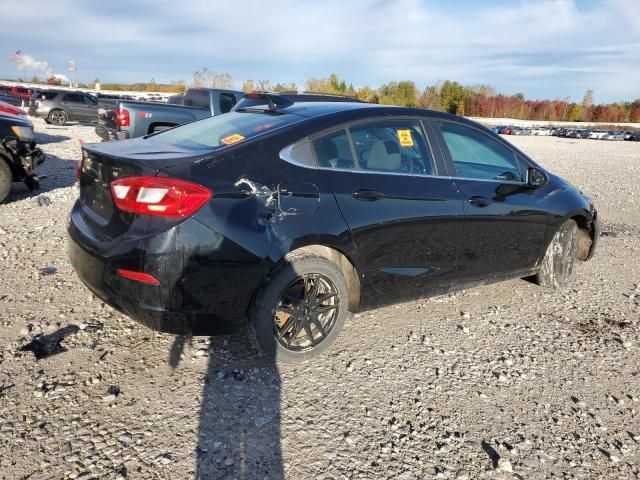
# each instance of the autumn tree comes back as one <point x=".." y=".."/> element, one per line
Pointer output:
<point x="152" y="86"/>
<point x="248" y="86"/>
<point x="207" y="78"/>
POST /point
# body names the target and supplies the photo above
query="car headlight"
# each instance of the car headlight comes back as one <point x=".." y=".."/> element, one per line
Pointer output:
<point x="23" y="133"/>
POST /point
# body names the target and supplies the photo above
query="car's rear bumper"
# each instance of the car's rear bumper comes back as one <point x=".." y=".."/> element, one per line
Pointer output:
<point x="205" y="287"/>
<point x="107" y="134"/>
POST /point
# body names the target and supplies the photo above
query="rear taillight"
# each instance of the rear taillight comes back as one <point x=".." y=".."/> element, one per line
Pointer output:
<point x="122" y="117"/>
<point x="137" y="276"/>
<point x="11" y="110"/>
<point x="159" y="196"/>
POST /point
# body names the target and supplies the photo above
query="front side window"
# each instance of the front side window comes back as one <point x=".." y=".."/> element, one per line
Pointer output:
<point x="476" y="155"/>
<point x="396" y="146"/>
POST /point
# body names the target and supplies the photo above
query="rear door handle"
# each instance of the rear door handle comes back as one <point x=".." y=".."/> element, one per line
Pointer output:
<point x="479" y="201"/>
<point x="367" y="195"/>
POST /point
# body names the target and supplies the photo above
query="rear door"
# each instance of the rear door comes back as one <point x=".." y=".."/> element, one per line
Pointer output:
<point x="74" y="104"/>
<point x="90" y="108"/>
<point x="405" y="219"/>
<point x="505" y="220"/>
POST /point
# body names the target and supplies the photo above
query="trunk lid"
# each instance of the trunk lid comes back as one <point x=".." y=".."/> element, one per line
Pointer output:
<point x="105" y="162"/>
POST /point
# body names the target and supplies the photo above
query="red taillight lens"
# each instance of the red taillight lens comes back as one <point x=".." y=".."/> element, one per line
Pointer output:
<point x="122" y="117"/>
<point x="159" y="196"/>
<point x="137" y="276"/>
<point x="11" y="110"/>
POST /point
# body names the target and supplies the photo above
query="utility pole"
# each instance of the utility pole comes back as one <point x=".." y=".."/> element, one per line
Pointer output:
<point x="72" y="69"/>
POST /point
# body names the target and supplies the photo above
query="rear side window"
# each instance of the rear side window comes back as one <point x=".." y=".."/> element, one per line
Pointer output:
<point x="334" y="151"/>
<point x="476" y="155"/>
<point x="89" y="100"/>
<point x="198" y="99"/>
<point x="73" y="97"/>
<point x="222" y="130"/>
<point x="46" y="95"/>
<point x="396" y="146"/>
<point x="227" y="101"/>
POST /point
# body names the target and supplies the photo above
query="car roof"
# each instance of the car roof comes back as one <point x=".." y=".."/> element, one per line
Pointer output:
<point x="315" y="109"/>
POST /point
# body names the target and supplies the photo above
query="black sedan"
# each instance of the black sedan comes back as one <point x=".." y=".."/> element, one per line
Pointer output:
<point x="282" y="218"/>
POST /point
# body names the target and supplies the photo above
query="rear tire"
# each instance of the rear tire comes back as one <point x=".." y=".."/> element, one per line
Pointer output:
<point x="6" y="177"/>
<point x="281" y="308"/>
<point x="558" y="263"/>
<point x="57" y="117"/>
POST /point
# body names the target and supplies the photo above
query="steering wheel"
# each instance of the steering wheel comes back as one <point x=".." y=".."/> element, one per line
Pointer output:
<point x="411" y="165"/>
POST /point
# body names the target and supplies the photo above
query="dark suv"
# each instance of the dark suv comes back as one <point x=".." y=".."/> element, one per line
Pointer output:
<point x="60" y="106"/>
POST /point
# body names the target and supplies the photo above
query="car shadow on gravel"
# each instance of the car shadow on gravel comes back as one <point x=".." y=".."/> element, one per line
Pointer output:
<point x="239" y="426"/>
<point x="46" y="138"/>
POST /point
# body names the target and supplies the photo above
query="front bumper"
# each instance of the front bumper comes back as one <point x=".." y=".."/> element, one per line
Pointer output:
<point x="596" y="229"/>
<point x="205" y="288"/>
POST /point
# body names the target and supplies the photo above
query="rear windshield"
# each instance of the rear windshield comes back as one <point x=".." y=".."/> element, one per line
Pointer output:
<point x="223" y="130"/>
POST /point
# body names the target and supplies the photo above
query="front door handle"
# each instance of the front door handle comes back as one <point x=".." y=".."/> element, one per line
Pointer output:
<point x="479" y="201"/>
<point x="367" y="195"/>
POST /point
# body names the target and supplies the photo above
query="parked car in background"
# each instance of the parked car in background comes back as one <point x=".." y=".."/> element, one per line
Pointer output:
<point x="613" y="136"/>
<point x="505" y="131"/>
<point x="11" y="99"/>
<point x="292" y="215"/>
<point x="131" y="119"/>
<point x="60" y="106"/>
<point x="597" y="134"/>
<point x="541" y="131"/>
<point x="632" y="136"/>
<point x="19" y="155"/>
<point x="21" y="92"/>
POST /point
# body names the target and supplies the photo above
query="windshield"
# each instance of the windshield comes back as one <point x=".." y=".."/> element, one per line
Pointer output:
<point x="223" y="130"/>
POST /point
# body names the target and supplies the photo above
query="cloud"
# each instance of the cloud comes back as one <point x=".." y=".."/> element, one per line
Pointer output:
<point x="549" y="48"/>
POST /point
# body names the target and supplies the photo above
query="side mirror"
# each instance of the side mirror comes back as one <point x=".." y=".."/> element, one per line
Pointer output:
<point x="535" y="177"/>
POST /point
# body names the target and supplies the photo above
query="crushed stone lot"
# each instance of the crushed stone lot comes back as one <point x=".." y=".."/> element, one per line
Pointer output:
<point x="506" y="381"/>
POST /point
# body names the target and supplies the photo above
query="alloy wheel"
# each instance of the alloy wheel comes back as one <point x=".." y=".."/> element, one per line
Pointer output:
<point x="306" y="312"/>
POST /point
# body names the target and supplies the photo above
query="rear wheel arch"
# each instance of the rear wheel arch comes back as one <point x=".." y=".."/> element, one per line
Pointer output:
<point x="347" y="267"/>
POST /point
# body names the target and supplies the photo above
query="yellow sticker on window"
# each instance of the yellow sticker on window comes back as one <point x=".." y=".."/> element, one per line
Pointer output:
<point x="231" y="139"/>
<point x="405" y="138"/>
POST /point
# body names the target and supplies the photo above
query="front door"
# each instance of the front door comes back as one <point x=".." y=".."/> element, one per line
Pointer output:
<point x="505" y="219"/>
<point x="406" y="221"/>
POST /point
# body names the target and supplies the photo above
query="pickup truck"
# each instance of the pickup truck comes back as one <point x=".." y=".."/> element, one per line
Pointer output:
<point x="130" y="119"/>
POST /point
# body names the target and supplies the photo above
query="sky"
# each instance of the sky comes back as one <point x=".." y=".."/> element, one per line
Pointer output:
<point x="541" y="48"/>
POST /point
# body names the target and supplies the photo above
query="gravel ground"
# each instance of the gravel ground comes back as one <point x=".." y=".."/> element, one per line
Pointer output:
<point x="503" y="381"/>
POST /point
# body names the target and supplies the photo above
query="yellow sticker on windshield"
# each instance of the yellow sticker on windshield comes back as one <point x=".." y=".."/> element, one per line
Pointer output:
<point x="405" y="138"/>
<point x="231" y="139"/>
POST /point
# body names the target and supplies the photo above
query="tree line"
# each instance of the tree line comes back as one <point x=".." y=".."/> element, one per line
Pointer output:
<point x="446" y="96"/>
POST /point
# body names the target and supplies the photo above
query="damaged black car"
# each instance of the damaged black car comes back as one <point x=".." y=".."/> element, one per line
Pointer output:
<point x="19" y="155"/>
<point x="281" y="219"/>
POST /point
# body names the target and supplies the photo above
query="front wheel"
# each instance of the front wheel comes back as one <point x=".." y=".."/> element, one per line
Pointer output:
<point x="300" y="308"/>
<point x="559" y="260"/>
